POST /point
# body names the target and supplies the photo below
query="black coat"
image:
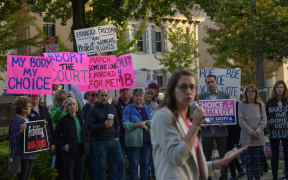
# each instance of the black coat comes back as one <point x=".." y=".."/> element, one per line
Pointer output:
<point x="96" y="122"/>
<point x="65" y="133"/>
<point x="43" y="115"/>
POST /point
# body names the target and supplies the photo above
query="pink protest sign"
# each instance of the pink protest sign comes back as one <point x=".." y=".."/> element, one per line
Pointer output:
<point x="70" y="68"/>
<point x="102" y="73"/>
<point x="220" y="111"/>
<point x="29" y="75"/>
<point x="110" y="73"/>
<point x="125" y="72"/>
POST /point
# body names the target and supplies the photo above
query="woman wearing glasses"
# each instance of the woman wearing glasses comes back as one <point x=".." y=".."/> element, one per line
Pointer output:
<point x="17" y="127"/>
<point x="276" y="110"/>
<point x="136" y="120"/>
<point x="177" y="153"/>
<point x="252" y="120"/>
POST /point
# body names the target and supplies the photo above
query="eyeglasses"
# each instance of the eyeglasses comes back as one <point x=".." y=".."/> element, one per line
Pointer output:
<point x="185" y="87"/>
<point x="104" y="95"/>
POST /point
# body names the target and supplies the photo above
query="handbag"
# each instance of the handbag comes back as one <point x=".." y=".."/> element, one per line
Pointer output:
<point x="14" y="162"/>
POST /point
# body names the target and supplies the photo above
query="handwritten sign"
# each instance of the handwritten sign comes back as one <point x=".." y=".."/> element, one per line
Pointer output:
<point x="96" y="39"/>
<point x="110" y="72"/>
<point x="69" y="68"/>
<point x="220" y="111"/>
<point x="277" y="121"/>
<point x="29" y="75"/>
<point x="35" y="137"/>
<point x="228" y="80"/>
<point x="103" y="73"/>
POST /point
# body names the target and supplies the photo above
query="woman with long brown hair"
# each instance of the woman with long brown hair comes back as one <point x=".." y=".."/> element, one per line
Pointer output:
<point x="276" y="110"/>
<point x="177" y="152"/>
<point x="252" y="120"/>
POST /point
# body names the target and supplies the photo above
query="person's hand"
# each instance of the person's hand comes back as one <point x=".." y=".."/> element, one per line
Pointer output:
<point x="145" y="127"/>
<point x="141" y="124"/>
<point x="66" y="147"/>
<point x="115" y="100"/>
<point x="23" y="127"/>
<point x="229" y="156"/>
<point x="198" y="115"/>
<point x="108" y="123"/>
<point x="52" y="148"/>
<point x="221" y="125"/>
<point x="45" y="122"/>
<point x="255" y="135"/>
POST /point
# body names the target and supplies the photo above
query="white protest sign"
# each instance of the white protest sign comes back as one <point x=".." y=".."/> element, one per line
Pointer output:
<point x="140" y="79"/>
<point x="96" y="39"/>
<point x="228" y="81"/>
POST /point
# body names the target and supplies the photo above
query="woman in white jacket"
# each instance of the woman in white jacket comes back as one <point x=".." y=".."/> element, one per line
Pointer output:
<point x="176" y="151"/>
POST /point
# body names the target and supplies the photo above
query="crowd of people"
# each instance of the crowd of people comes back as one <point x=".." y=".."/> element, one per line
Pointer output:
<point x="161" y="139"/>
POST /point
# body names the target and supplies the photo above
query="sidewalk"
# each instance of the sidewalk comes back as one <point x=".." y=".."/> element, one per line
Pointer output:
<point x="266" y="176"/>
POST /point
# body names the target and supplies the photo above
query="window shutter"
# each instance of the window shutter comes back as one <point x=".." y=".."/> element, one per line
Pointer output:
<point x="162" y="41"/>
<point x="153" y="33"/>
<point x="144" y="41"/>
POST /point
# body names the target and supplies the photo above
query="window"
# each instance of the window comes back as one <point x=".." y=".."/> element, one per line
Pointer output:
<point x="158" y="42"/>
<point x="160" y="80"/>
<point x="49" y="29"/>
<point x="139" y="44"/>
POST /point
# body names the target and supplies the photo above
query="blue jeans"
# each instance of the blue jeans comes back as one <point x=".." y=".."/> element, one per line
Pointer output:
<point x="103" y="149"/>
<point x="136" y="156"/>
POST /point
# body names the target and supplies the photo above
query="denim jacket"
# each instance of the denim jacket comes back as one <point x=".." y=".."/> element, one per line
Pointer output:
<point x="133" y="135"/>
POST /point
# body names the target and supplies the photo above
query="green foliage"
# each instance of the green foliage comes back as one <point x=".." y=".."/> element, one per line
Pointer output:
<point x="4" y="134"/>
<point x="40" y="168"/>
<point x="12" y="34"/>
<point x="184" y="51"/>
<point x="240" y="34"/>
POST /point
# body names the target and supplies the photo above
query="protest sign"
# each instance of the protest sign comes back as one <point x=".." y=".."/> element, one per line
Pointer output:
<point x="110" y="73"/>
<point x="220" y="111"/>
<point x="51" y="44"/>
<point x="29" y="75"/>
<point x="96" y="39"/>
<point x="102" y="73"/>
<point x="69" y="68"/>
<point x="140" y="79"/>
<point x="277" y="121"/>
<point x="228" y="80"/>
<point x="35" y="137"/>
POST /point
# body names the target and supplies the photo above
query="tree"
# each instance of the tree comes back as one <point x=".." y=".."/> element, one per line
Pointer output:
<point x="248" y="31"/>
<point x="184" y="51"/>
<point x="90" y="13"/>
<point x="11" y="37"/>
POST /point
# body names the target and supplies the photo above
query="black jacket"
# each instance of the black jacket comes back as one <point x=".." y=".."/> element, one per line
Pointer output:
<point x="44" y="115"/>
<point x="65" y="133"/>
<point x="96" y="122"/>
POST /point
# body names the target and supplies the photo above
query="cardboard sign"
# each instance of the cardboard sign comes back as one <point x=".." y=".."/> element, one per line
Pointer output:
<point x="51" y="44"/>
<point x="35" y="137"/>
<point x="103" y="73"/>
<point x="29" y="75"/>
<point x="220" y="111"/>
<point x="96" y="39"/>
<point x="277" y="121"/>
<point x="69" y="68"/>
<point x="140" y="79"/>
<point x="228" y="81"/>
<point x="110" y="73"/>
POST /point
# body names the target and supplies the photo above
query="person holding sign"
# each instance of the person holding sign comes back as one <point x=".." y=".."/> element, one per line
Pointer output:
<point x="177" y="152"/>
<point x="276" y="109"/>
<point x="252" y="120"/>
<point x="71" y="137"/>
<point x="16" y="135"/>
<point x="219" y="132"/>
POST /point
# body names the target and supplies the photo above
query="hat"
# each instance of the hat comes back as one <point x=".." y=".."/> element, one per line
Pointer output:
<point x="153" y="86"/>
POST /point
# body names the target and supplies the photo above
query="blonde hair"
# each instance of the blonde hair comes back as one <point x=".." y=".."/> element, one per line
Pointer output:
<point x="257" y="99"/>
<point x="68" y="101"/>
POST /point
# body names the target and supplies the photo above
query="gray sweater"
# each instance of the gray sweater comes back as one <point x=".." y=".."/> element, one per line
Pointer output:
<point x="252" y="118"/>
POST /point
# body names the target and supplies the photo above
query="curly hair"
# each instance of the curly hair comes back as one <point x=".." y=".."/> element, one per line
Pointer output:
<point x="170" y="99"/>
<point x="285" y="93"/>
<point x="257" y="96"/>
<point x="20" y="103"/>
